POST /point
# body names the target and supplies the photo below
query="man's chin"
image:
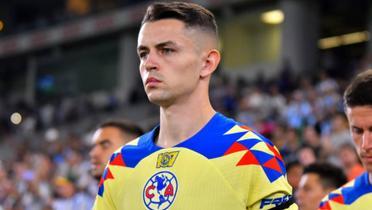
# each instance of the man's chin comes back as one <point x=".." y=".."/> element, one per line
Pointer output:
<point x="368" y="167"/>
<point x="96" y="174"/>
<point x="159" y="101"/>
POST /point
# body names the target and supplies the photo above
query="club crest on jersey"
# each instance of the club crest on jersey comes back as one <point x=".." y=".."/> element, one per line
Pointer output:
<point x="160" y="191"/>
<point x="166" y="159"/>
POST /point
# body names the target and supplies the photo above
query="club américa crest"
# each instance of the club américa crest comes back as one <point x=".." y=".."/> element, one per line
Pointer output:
<point x="160" y="191"/>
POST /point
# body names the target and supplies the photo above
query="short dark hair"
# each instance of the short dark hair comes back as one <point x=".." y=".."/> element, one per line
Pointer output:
<point x="358" y="93"/>
<point x="292" y="164"/>
<point x="123" y="126"/>
<point x="330" y="175"/>
<point x="193" y="15"/>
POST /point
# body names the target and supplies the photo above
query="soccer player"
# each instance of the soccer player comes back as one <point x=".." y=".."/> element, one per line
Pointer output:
<point x="357" y="194"/>
<point x="317" y="180"/>
<point x="196" y="159"/>
<point x="110" y="136"/>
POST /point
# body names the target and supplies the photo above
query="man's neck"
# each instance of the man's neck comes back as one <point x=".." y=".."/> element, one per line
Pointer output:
<point x="179" y="123"/>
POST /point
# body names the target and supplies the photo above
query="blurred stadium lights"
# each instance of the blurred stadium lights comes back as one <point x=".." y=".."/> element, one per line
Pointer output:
<point x="16" y="118"/>
<point x="272" y="17"/>
<point x="1" y="25"/>
<point x="79" y="7"/>
<point x="345" y="39"/>
<point x="51" y="134"/>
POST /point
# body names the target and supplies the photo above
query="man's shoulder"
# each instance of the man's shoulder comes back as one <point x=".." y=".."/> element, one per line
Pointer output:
<point x="229" y="137"/>
<point x="222" y="136"/>
<point x="134" y="151"/>
<point x="245" y="137"/>
<point x="125" y="159"/>
<point x="349" y="193"/>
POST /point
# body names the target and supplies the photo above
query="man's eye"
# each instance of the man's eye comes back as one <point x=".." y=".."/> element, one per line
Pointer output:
<point x="167" y="50"/>
<point x="106" y="145"/>
<point x="142" y="54"/>
<point x="357" y="131"/>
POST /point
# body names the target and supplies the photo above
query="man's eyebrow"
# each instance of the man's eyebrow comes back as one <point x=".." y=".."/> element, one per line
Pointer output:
<point x="140" y="48"/>
<point x="159" y="45"/>
<point x="163" y="44"/>
<point x="356" y="127"/>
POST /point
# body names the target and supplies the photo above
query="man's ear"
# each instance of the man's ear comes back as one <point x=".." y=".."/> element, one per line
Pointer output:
<point x="211" y="62"/>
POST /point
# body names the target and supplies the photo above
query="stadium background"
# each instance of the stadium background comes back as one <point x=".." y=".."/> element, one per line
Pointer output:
<point x="67" y="65"/>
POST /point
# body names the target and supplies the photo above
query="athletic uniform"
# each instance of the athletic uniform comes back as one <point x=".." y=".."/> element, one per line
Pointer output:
<point x="355" y="195"/>
<point x="225" y="166"/>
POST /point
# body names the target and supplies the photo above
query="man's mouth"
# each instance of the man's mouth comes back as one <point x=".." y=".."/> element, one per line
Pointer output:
<point x="152" y="80"/>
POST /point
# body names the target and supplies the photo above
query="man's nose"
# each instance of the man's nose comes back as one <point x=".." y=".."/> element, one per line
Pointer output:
<point x="367" y="140"/>
<point x="151" y="62"/>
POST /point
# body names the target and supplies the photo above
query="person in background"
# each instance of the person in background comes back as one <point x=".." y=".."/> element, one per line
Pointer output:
<point x="306" y="155"/>
<point x="311" y="137"/>
<point x="68" y="196"/>
<point x="339" y="135"/>
<point x="357" y="194"/>
<point x="294" y="172"/>
<point x="350" y="161"/>
<point x="110" y="136"/>
<point x="317" y="180"/>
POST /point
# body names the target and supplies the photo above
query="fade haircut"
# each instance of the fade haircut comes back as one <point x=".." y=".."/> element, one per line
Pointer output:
<point x="124" y="126"/>
<point x="358" y="93"/>
<point x="331" y="177"/>
<point x="192" y="15"/>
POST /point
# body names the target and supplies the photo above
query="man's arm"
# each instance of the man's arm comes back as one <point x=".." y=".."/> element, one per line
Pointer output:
<point x="268" y="187"/>
<point x="278" y="201"/>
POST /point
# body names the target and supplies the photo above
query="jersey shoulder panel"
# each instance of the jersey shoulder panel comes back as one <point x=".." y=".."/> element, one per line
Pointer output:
<point x="349" y="194"/>
<point x="128" y="156"/>
<point x="223" y="136"/>
<point x="210" y="141"/>
<point x="138" y="149"/>
<point x="258" y="151"/>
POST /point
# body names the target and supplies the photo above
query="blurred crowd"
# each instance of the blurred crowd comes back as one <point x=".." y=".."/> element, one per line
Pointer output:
<point x="45" y="114"/>
<point x="55" y="176"/>
<point x="302" y="116"/>
<point x="20" y="16"/>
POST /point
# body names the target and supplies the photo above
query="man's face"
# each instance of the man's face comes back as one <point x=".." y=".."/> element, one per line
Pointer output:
<point x="310" y="192"/>
<point x="360" y="122"/>
<point x="294" y="176"/>
<point x="105" y="142"/>
<point x="170" y="60"/>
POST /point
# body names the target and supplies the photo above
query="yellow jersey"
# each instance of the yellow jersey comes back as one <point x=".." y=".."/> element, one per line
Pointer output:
<point x="225" y="166"/>
<point x="355" y="195"/>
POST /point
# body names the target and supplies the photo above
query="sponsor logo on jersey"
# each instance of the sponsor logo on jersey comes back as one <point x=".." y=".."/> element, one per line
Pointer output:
<point x="166" y="159"/>
<point x="274" y="201"/>
<point x="160" y="191"/>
